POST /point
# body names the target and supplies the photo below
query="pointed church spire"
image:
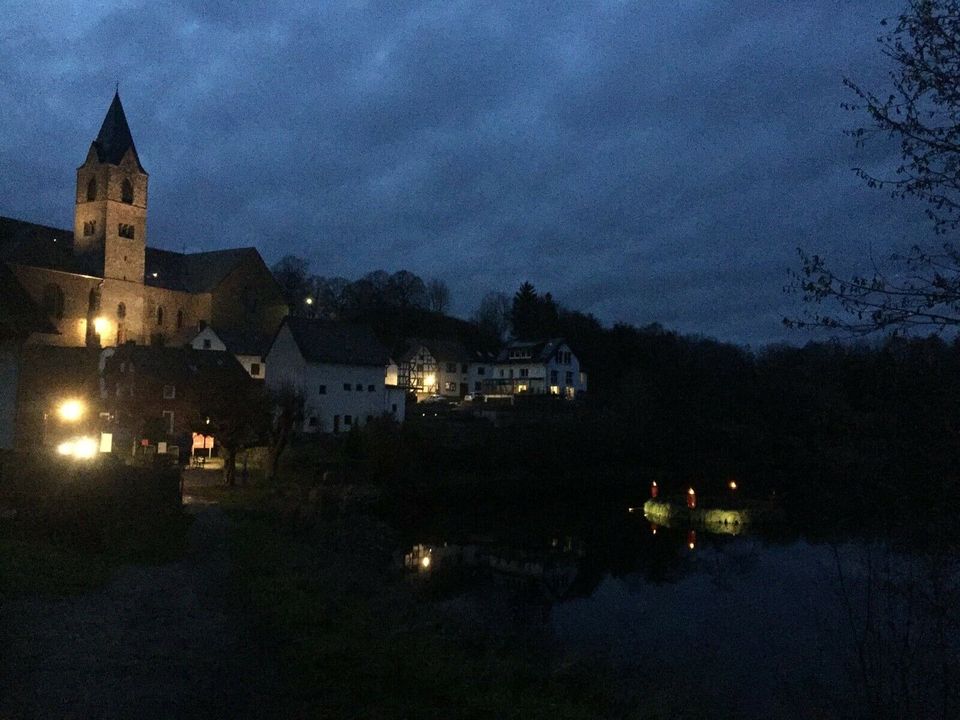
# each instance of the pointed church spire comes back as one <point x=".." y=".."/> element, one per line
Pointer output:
<point x="114" y="138"/>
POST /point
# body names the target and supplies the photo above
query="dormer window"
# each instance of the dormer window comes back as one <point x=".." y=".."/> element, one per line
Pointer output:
<point x="126" y="192"/>
<point x="92" y="189"/>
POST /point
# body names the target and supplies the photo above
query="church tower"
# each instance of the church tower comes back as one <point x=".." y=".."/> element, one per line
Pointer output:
<point x="110" y="216"/>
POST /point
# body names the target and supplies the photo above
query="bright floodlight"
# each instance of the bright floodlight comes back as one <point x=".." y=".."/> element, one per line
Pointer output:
<point x="100" y="325"/>
<point x="309" y="301"/>
<point x="425" y="561"/>
<point x="65" y="448"/>
<point x="71" y="410"/>
<point x="85" y="448"/>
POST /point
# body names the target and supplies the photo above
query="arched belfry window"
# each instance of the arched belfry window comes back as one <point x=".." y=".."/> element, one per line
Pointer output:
<point x="126" y="191"/>
<point x="121" y="311"/>
<point x="160" y="315"/>
<point x="53" y="301"/>
<point x="92" y="189"/>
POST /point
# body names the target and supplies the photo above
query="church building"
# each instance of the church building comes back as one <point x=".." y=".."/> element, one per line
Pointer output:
<point x="101" y="285"/>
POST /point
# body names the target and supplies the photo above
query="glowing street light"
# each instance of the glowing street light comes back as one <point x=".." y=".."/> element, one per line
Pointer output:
<point x="309" y="301"/>
<point x="71" y="410"/>
<point x="732" y="484"/>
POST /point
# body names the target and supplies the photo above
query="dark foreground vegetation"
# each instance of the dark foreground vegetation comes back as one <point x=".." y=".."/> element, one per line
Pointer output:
<point x="65" y="527"/>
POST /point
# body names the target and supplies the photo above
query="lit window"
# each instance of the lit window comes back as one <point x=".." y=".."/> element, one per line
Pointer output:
<point x="169" y="392"/>
<point x="450" y="387"/>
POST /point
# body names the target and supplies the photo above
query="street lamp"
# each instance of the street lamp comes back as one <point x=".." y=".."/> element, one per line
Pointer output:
<point x="71" y="410"/>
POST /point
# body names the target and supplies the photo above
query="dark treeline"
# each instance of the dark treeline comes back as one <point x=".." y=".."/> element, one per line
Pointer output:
<point x="845" y="430"/>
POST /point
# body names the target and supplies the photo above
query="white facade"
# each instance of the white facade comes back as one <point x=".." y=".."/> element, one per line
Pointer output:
<point x="558" y="374"/>
<point x="336" y="396"/>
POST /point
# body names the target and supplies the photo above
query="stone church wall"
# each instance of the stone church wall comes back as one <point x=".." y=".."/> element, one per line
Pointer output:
<point x="72" y="327"/>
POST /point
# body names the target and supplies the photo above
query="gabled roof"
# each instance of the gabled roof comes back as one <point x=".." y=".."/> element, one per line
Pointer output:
<point x="323" y="341"/>
<point x="239" y="342"/>
<point x="19" y="315"/>
<point x="194" y="272"/>
<point x="178" y="364"/>
<point x="114" y="139"/>
<point x="540" y="350"/>
<point x="444" y="350"/>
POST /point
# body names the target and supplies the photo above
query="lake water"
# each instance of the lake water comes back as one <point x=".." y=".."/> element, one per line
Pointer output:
<point x="775" y="629"/>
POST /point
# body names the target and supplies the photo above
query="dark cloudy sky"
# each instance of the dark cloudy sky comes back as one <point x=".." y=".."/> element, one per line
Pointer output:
<point x="658" y="160"/>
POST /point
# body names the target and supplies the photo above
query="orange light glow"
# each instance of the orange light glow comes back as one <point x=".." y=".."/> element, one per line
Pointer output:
<point x="732" y="485"/>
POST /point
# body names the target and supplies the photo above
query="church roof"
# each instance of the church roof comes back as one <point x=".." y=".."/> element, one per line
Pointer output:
<point x="33" y="245"/>
<point x="19" y="315"/>
<point x="114" y="139"/>
<point x="196" y="272"/>
<point x="336" y="343"/>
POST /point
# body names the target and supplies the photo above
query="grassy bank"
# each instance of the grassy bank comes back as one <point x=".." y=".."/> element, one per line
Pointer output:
<point x="67" y="528"/>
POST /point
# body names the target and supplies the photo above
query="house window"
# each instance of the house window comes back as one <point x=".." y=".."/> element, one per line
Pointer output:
<point x="511" y="372"/>
<point x="179" y="319"/>
<point x="553" y="377"/>
<point x="312" y="422"/>
<point x="53" y="301"/>
<point x="501" y="372"/>
<point x="476" y="386"/>
<point x="125" y="230"/>
<point x="126" y="192"/>
<point x="524" y="372"/>
<point x="348" y="419"/>
<point x="168" y="416"/>
<point x="464" y="368"/>
<point x="481" y="370"/>
<point x="569" y="378"/>
<point x="359" y="387"/>
<point x="371" y="388"/>
<point x="450" y="386"/>
<point x="92" y="189"/>
<point x="160" y="315"/>
<point x="169" y="392"/>
<point x="393" y="408"/>
<point x="121" y="311"/>
<point x="322" y="390"/>
<point x="419" y="367"/>
<point x="451" y="367"/>
<point x="255" y="369"/>
<point x="347" y="387"/>
<point x="207" y="344"/>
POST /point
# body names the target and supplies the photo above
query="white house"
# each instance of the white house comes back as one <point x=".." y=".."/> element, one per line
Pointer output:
<point x="247" y="349"/>
<point x="443" y="367"/>
<point x="340" y="369"/>
<point x="538" y="367"/>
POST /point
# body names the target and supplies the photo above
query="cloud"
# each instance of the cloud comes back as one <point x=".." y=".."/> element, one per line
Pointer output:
<point x="642" y="161"/>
